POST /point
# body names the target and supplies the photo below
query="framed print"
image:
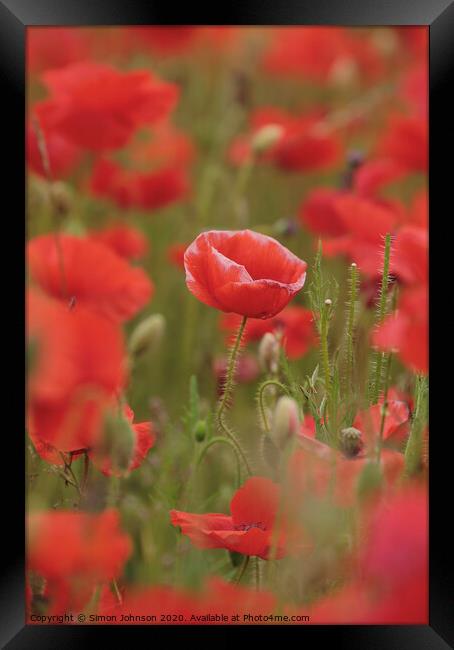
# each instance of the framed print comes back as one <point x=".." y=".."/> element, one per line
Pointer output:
<point x="222" y="236"/>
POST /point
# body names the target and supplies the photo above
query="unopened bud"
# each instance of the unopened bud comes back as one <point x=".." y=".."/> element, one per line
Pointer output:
<point x="147" y="335"/>
<point x="286" y="422"/>
<point x="269" y="353"/>
<point x="200" y="430"/>
<point x="266" y="137"/>
<point x="118" y="442"/>
<point x="351" y="441"/>
<point x="61" y="198"/>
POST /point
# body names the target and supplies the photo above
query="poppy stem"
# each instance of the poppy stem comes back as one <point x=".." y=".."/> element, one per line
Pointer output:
<point x="353" y="289"/>
<point x="324" y="345"/>
<point x="243" y="568"/>
<point x="381" y="313"/>
<point x="220" y="440"/>
<point x="228" y="389"/>
<point x="414" y="449"/>
<point x="260" y="396"/>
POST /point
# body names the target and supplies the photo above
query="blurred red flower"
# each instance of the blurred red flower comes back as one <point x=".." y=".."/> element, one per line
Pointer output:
<point x="185" y="606"/>
<point x="75" y="552"/>
<point x="145" y="438"/>
<point x="76" y="369"/>
<point x="243" y="272"/>
<point x="62" y="155"/>
<point x="124" y="240"/>
<point x="99" y="108"/>
<point x="248" y="530"/>
<point x="83" y="272"/>
<point x="302" y="145"/>
<point x="134" y="189"/>
<point x="324" y="55"/>
<point x="406" y="331"/>
<point x="406" y="140"/>
<point x="55" y="47"/>
<point x="296" y="325"/>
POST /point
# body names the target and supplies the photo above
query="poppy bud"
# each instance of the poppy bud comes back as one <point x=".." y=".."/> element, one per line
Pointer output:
<point x="118" y="442"/>
<point x="351" y="441"/>
<point x="269" y="353"/>
<point x="147" y="335"/>
<point x="61" y="198"/>
<point x="266" y="137"/>
<point x="200" y="430"/>
<point x="286" y="422"/>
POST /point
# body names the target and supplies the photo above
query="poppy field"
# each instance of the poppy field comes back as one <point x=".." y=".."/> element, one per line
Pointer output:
<point x="227" y="325"/>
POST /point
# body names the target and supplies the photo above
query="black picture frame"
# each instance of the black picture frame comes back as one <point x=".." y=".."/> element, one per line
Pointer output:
<point x="15" y="17"/>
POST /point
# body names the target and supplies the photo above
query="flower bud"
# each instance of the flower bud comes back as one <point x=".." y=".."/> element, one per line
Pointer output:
<point x="286" y="422"/>
<point x="351" y="441"/>
<point x="61" y="198"/>
<point x="147" y="335"/>
<point x="269" y="353"/>
<point x="266" y="137"/>
<point x="200" y="430"/>
<point x="118" y="442"/>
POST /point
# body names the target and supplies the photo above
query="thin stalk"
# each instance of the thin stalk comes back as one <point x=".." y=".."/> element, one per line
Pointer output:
<point x="414" y="449"/>
<point x="375" y="390"/>
<point x="220" y="440"/>
<point x="260" y="398"/>
<point x="350" y="331"/>
<point x="243" y="568"/>
<point x="324" y="347"/>
<point x="228" y="389"/>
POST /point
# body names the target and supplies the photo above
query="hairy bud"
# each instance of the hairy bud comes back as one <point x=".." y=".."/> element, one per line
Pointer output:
<point x="351" y="441"/>
<point x="286" y="422"/>
<point x="269" y="353"/>
<point x="61" y="198"/>
<point x="118" y="442"/>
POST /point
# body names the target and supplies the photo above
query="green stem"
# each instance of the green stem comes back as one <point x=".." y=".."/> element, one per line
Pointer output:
<point x="268" y="382"/>
<point x="220" y="440"/>
<point x="413" y="451"/>
<point x="375" y="392"/>
<point x="243" y="568"/>
<point x="350" y="331"/>
<point x="324" y="349"/>
<point x="228" y="389"/>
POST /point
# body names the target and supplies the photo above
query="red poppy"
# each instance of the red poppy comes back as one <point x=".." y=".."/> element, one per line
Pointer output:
<point x="302" y="145"/>
<point x="124" y="240"/>
<point x="243" y="272"/>
<point x="406" y="331"/>
<point x="134" y="189"/>
<point x="419" y="210"/>
<point x="87" y="274"/>
<point x="74" y="552"/>
<point x="99" y="108"/>
<point x="248" y="530"/>
<point x="76" y="369"/>
<point x="55" y="47"/>
<point x="396" y="424"/>
<point x="414" y="88"/>
<point x="63" y="155"/>
<point x="295" y="324"/>
<point x="410" y="260"/>
<point x="323" y="54"/>
<point x="144" y="441"/>
<point x="406" y="140"/>
<point x="319" y="470"/>
<point x="166" y="40"/>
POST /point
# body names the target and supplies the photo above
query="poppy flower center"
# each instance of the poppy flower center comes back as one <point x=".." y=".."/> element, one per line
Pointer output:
<point x="247" y="527"/>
